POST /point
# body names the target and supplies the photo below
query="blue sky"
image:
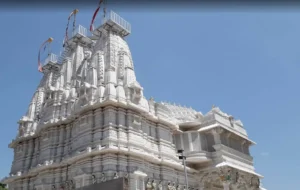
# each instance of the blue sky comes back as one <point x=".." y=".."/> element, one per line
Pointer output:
<point x="245" y="61"/>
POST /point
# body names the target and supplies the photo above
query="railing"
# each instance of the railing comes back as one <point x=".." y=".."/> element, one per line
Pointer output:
<point x="78" y="30"/>
<point x="51" y="58"/>
<point x="120" y="21"/>
<point x="114" y="17"/>
<point x="237" y="153"/>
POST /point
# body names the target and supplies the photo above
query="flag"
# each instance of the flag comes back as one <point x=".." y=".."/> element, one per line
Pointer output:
<point x="94" y="15"/>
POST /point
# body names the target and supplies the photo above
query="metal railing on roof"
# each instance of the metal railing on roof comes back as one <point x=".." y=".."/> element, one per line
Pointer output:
<point x="78" y="30"/>
<point x="51" y="58"/>
<point x="116" y="19"/>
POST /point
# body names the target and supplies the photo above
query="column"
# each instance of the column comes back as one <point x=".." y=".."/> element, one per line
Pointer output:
<point x="226" y="185"/>
<point x="228" y="140"/>
<point x="181" y="141"/>
<point x="190" y="142"/>
<point x="242" y="145"/>
<point x="216" y="133"/>
<point x="138" y="181"/>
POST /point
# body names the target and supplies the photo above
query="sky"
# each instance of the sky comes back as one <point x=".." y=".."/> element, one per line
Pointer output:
<point x="244" y="60"/>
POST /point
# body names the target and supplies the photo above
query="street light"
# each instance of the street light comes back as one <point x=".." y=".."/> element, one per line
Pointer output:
<point x="183" y="158"/>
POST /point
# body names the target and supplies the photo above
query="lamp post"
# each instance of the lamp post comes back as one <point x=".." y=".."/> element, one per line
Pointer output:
<point x="183" y="158"/>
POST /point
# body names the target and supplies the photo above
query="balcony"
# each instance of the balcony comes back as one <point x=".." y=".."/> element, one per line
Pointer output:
<point x="112" y="21"/>
<point x="198" y="157"/>
<point x="234" y="154"/>
<point x="50" y="62"/>
<point x="79" y="34"/>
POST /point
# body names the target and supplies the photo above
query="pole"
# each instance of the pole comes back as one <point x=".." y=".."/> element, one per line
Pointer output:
<point x="186" y="181"/>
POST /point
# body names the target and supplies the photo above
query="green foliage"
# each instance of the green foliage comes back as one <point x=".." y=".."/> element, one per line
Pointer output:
<point x="2" y="186"/>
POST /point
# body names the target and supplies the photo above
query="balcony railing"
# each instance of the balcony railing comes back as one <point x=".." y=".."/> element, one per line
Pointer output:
<point x="51" y="58"/>
<point x="78" y="30"/>
<point x="235" y="152"/>
<point x="120" y="21"/>
<point x="114" y="19"/>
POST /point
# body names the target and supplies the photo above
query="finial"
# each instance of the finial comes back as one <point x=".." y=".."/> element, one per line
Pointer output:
<point x="75" y="11"/>
<point x="213" y="106"/>
<point x="50" y="39"/>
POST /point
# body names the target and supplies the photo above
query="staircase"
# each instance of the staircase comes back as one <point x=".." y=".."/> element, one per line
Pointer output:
<point x="63" y="55"/>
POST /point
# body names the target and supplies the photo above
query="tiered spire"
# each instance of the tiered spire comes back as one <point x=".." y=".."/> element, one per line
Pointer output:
<point x="88" y="75"/>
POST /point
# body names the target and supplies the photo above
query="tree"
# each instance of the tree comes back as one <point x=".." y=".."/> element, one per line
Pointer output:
<point x="2" y="186"/>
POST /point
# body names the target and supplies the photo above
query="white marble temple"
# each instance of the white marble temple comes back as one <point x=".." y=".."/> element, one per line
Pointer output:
<point x="89" y="122"/>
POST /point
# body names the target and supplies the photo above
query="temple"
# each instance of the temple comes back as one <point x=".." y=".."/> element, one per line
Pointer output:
<point x="89" y="123"/>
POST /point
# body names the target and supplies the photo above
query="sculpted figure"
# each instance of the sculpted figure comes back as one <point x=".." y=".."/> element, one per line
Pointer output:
<point x="148" y="185"/>
<point x="160" y="187"/>
<point x="103" y="178"/>
<point x="255" y="182"/>
<point x="66" y="185"/>
<point x="126" y="179"/>
<point x="46" y="163"/>
<point x="169" y="186"/>
<point x="153" y="185"/>
<point x="174" y="186"/>
<point x="94" y="180"/>
<point x="82" y="69"/>
<point x="116" y="176"/>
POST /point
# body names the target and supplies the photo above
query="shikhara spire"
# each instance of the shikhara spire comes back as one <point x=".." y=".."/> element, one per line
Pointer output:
<point x="89" y="122"/>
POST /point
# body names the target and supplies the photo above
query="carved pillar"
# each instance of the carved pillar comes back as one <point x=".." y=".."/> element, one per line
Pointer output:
<point x="217" y="135"/>
<point x="226" y="185"/>
<point x="228" y="139"/>
<point x="242" y="145"/>
<point x="191" y="147"/>
<point x="29" y="154"/>
<point x="138" y="181"/>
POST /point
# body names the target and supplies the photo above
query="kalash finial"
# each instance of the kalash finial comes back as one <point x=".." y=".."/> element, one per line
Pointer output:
<point x="75" y="11"/>
<point x="213" y="106"/>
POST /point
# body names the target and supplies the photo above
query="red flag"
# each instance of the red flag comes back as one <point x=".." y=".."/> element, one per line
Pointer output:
<point x="94" y="15"/>
<point x="40" y="69"/>
<point x="74" y="12"/>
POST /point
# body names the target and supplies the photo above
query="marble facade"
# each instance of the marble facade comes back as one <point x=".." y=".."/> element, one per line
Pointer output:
<point x="89" y="122"/>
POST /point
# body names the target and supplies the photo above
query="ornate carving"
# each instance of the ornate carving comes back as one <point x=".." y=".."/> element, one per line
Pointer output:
<point x="94" y="180"/>
<point x="148" y="185"/>
<point x="103" y="178"/>
<point x="121" y="63"/>
<point x="153" y="185"/>
<point x="255" y="182"/>
<point x="116" y="176"/>
<point x="136" y="92"/>
<point x="160" y="186"/>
